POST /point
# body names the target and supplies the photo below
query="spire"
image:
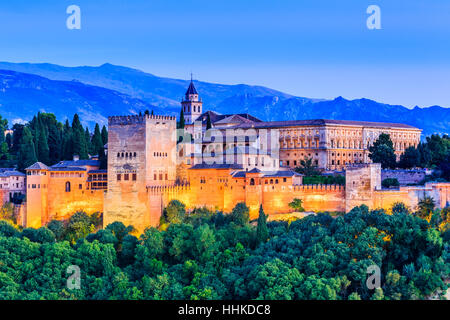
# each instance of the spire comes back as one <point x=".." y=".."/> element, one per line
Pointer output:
<point x="191" y="89"/>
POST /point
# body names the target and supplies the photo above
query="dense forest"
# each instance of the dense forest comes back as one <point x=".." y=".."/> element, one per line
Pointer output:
<point x="211" y="255"/>
<point x="49" y="141"/>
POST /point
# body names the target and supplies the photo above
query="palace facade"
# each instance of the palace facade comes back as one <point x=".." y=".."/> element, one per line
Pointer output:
<point x="218" y="161"/>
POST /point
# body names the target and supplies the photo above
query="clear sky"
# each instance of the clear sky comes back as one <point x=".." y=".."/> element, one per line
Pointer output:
<point x="314" y="48"/>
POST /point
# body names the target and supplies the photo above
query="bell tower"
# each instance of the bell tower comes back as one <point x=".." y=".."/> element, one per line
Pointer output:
<point x="191" y="104"/>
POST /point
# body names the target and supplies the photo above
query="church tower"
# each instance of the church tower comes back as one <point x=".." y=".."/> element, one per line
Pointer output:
<point x="191" y="104"/>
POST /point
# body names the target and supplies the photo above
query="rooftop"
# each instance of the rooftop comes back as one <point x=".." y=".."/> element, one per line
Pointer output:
<point x="321" y="122"/>
<point x="38" y="166"/>
<point x="216" y="166"/>
<point x="77" y="163"/>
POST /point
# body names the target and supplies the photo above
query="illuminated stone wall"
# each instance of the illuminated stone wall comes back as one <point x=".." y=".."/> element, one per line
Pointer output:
<point x="141" y="154"/>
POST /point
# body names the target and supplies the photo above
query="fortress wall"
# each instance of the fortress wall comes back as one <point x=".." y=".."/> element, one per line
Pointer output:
<point x="404" y="177"/>
<point x="384" y="199"/>
<point x="62" y="204"/>
<point x="160" y="196"/>
<point x="276" y="199"/>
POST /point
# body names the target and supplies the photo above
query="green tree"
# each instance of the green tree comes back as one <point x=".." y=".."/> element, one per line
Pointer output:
<point x="98" y="146"/>
<point x="174" y="212"/>
<point x="7" y="212"/>
<point x="307" y="168"/>
<point x="382" y="151"/>
<point x="410" y="158"/>
<point x="104" y="135"/>
<point x="27" y="153"/>
<point x="78" y="138"/>
<point x="240" y="214"/>
<point x="425" y="207"/>
<point x="42" y="143"/>
<point x="262" y="232"/>
<point x="181" y="123"/>
<point x="399" y="207"/>
<point x="208" y="122"/>
<point x="390" y="182"/>
<point x="297" y="205"/>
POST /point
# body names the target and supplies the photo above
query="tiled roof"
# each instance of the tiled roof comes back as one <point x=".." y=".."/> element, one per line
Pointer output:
<point x="77" y="163"/>
<point x="216" y="118"/>
<point x="67" y="169"/>
<point x="191" y="89"/>
<point x="216" y="166"/>
<point x="98" y="171"/>
<point x="321" y="122"/>
<point x="37" y="166"/>
<point x="268" y="174"/>
<point x="12" y="173"/>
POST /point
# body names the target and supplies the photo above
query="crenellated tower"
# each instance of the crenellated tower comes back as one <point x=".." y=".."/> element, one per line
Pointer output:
<point x="191" y="104"/>
<point x="141" y="154"/>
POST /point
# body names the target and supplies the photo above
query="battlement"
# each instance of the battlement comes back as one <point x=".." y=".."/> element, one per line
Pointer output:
<point x="168" y="189"/>
<point x="318" y="187"/>
<point x="137" y="119"/>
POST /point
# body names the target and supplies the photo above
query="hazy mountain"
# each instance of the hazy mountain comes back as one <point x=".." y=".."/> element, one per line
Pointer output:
<point x="133" y="90"/>
<point x="23" y="95"/>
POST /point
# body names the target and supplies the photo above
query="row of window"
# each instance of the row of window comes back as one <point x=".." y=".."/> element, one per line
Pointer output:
<point x="195" y="109"/>
<point x="160" y="176"/>
<point x="126" y="177"/>
<point x="160" y="154"/>
<point x="66" y="175"/>
<point x="6" y="185"/>
<point x="338" y="162"/>
<point x="288" y="163"/>
<point x="126" y="154"/>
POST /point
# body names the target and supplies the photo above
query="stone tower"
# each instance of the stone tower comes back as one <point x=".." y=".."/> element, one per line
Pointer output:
<point x="361" y="181"/>
<point x="191" y="104"/>
<point x="37" y="195"/>
<point x="141" y="154"/>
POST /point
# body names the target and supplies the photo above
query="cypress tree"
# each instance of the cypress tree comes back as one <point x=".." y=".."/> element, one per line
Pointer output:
<point x="78" y="138"/>
<point x="262" y="232"/>
<point x="104" y="135"/>
<point x="27" y="153"/>
<point x="67" y="148"/>
<point x="89" y="147"/>
<point x="17" y="137"/>
<point x="42" y="144"/>
<point x="3" y="126"/>
<point x="208" y="123"/>
<point x="98" y="146"/>
<point x="181" y="123"/>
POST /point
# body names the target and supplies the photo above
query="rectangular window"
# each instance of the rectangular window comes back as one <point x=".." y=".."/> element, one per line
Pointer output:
<point x="126" y="176"/>
<point x="119" y="177"/>
<point x="80" y="186"/>
<point x="134" y="176"/>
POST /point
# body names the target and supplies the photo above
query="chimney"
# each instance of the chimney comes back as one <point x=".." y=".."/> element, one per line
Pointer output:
<point x="76" y="157"/>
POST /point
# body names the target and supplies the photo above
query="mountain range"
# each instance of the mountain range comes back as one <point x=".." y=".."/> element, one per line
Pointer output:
<point x="98" y="92"/>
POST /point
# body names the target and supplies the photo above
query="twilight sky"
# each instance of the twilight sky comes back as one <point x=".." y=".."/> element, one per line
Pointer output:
<point x="310" y="48"/>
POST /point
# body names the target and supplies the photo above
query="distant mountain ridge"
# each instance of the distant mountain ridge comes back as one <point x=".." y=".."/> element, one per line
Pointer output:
<point x="108" y="90"/>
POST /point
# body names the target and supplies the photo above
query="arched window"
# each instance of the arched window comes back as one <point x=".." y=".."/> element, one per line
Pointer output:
<point x="252" y="182"/>
<point x="67" y="186"/>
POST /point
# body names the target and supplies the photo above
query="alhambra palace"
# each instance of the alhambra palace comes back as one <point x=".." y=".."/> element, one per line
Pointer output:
<point x="238" y="159"/>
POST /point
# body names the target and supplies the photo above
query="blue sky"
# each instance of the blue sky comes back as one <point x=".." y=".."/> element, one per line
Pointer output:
<point x="314" y="48"/>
